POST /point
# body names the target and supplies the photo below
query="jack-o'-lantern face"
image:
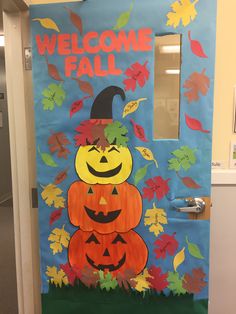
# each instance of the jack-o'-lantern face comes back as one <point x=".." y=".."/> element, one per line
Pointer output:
<point x="113" y="165"/>
<point x="104" y="208"/>
<point x="114" y="252"/>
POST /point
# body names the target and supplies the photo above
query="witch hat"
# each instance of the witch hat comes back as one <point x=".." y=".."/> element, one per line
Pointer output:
<point x="102" y="105"/>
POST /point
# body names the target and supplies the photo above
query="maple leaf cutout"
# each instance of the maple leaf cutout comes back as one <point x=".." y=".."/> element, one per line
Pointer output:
<point x="137" y="74"/>
<point x="197" y="83"/>
<point x="85" y="136"/>
<point x="59" y="238"/>
<point x="99" y="136"/>
<point x="56" y="277"/>
<point x="156" y="185"/>
<point x="155" y="218"/>
<point x="175" y="283"/>
<point x="165" y="244"/>
<point x="182" y="10"/>
<point x="57" y="143"/>
<point x="51" y="195"/>
<point x="89" y="277"/>
<point x="141" y="281"/>
<point x="125" y="279"/>
<point x="107" y="281"/>
<point x="194" y="283"/>
<point x="157" y="280"/>
<point x="70" y="273"/>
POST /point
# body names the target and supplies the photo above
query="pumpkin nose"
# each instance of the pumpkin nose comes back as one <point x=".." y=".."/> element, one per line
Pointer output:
<point x="106" y="253"/>
<point x="102" y="201"/>
<point x="103" y="159"/>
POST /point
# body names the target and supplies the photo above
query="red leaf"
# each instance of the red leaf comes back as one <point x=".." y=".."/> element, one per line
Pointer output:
<point x="69" y="273"/>
<point x="57" y="143"/>
<point x="85" y="135"/>
<point x="137" y="73"/>
<point x="139" y="131"/>
<point x="196" y="47"/>
<point x="197" y="83"/>
<point x="85" y="86"/>
<point x="194" y="124"/>
<point x="55" y="215"/>
<point x="61" y="176"/>
<point x="76" y="20"/>
<point x="156" y="185"/>
<point x="77" y="105"/>
<point x="190" y="183"/>
<point x="194" y="283"/>
<point x="89" y="277"/>
<point x="125" y="279"/>
<point x="166" y="244"/>
<point x="158" y="281"/>
<point x="53" y="71"/>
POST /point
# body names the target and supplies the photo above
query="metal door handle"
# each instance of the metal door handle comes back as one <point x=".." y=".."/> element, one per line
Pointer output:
<point x="194" y="205"/>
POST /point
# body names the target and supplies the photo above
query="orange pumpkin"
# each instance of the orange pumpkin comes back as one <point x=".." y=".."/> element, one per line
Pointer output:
<point x="104" y="208"/>
<point x="114" y="252"/>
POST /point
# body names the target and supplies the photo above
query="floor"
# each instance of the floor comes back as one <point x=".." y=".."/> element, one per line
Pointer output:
<point x="8" y="292"/>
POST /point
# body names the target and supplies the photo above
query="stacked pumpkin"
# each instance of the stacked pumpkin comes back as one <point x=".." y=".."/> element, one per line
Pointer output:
<point x="103" y="205"/>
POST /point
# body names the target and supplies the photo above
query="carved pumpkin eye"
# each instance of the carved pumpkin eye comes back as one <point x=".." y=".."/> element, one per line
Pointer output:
<point x="94" y="148"/>
<point x="90" y="190"/>
<point x="92" y="238"/>
<point x="117" y="239"/>
<point x="114" y="191"/>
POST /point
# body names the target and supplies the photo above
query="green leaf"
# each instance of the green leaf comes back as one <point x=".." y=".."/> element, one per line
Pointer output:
<point x="54" y="95"/>
<point x="185" y="158"/>
<point x="107" y="281"/>
<point x="116" y="132"/>
<point x="47" y="159"/>
<point x="175" y="283"/>
<point x="194" y="249"/>
<point x="123" y="19"/>
<point x="174" y="164"/>
<point x="48" y="104"/>
<point x="140" y="174"/>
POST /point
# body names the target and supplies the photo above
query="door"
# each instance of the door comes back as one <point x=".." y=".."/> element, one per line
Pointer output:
<point x="123" y="109"/>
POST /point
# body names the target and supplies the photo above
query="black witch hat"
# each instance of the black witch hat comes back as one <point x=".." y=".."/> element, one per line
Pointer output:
<point x="102" y="105"/>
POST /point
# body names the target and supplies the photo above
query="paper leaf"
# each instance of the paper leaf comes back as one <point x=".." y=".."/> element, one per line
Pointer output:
<point x="47" y="23"/>
<point x="194" y="250"/>
<point x="59" y="239"/>
<point x="57" y="144"/>
<point x="47" y="159"/>
<point x="175" y="283"/>
<point x="189" y="182"/>
<point x="194" y="124"/>
<point x="106" y="281"/>
<point x="146" y="154"/>
<point x="85" y="86"/>
<point x="123" y="19"/>
<point x="194" y="283"/>
<point x="53" y="71"/>
<point x="155" y="218"/>
<point x="76" y="20"/>
<point x="137" y="74"/>
<point x="98" y="132"/>
<point x="184" y="158"/>
<point x="165" y="244"/>
<point x="139" y="131"/>
<point x="71" y="275"/>
<point x="140" y="174"/>
<point x="51" y="195"/>
<point x="157" y="280"/>
<point x="196" y="47"/>
<point x="141" y="281"/>
<point x="179" y="259"/>
<point x="125" y="279"/>
<point x="89" y="277"/>
<point x="54" y="95"/>
<point x="61" y="176"/>
<point x="156" y="186"/>
<point x="58" y="278"/>
<point x="77" y="105"/>
<point x="55" y="215"/>
<point x="197" y="83"/>
<point x="85" y="135"/>
<point x="132" y="106"/>
<point x="183" y="10"/>
<point x="116" y="132"/>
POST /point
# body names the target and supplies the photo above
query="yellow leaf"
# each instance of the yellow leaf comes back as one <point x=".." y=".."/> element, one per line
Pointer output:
<point x="147" y="154"/>
<point x="132" y="106"/>
<point x="47" y="23"/>
<point x="59" y="238"/>
<point x="179" y="259"/>
<point x="141" y="281"/>
<point x="155" y="218"/>
<point x="182" y="10"/>
<point x="51" y="196"/>
<point x="57" y="277"/>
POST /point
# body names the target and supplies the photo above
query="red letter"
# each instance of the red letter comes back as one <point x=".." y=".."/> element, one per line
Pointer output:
<point x="75" y="45"/>
<point x="98" y="67"/>
<point x="64" y="44"/>
<point x="126" y="41"/>
<point x="46" y="44"/>
<point x="112" y="66"/>
<point x="85" y="67"/>
<point x="86" y="42"/>
<point x="107" y="41"/>
<point x="70" y="65"/>
<point x="145" y="39"/>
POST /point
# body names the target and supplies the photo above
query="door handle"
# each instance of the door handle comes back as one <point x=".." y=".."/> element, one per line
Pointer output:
<point x="194" y="206"/>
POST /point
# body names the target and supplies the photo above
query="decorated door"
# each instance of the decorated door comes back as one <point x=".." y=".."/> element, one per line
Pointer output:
<point x="123" y="165"/>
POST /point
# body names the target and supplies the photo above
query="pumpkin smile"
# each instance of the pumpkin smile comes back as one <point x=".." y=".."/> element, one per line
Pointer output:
<point x="110" y="267"/>
<point x="104" y="174"/>
<point x="100" y="217"/>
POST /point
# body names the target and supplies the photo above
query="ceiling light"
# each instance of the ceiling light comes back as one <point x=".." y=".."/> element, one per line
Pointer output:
<point x="2" y="42"/>
<point x="173" y="71"/>
<point x="170" y="49"/>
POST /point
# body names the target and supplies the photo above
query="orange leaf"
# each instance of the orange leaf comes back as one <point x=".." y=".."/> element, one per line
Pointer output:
<point x="85" y="86"/>
<point x="194" y="283"/>
<point x="76" y="20"/>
